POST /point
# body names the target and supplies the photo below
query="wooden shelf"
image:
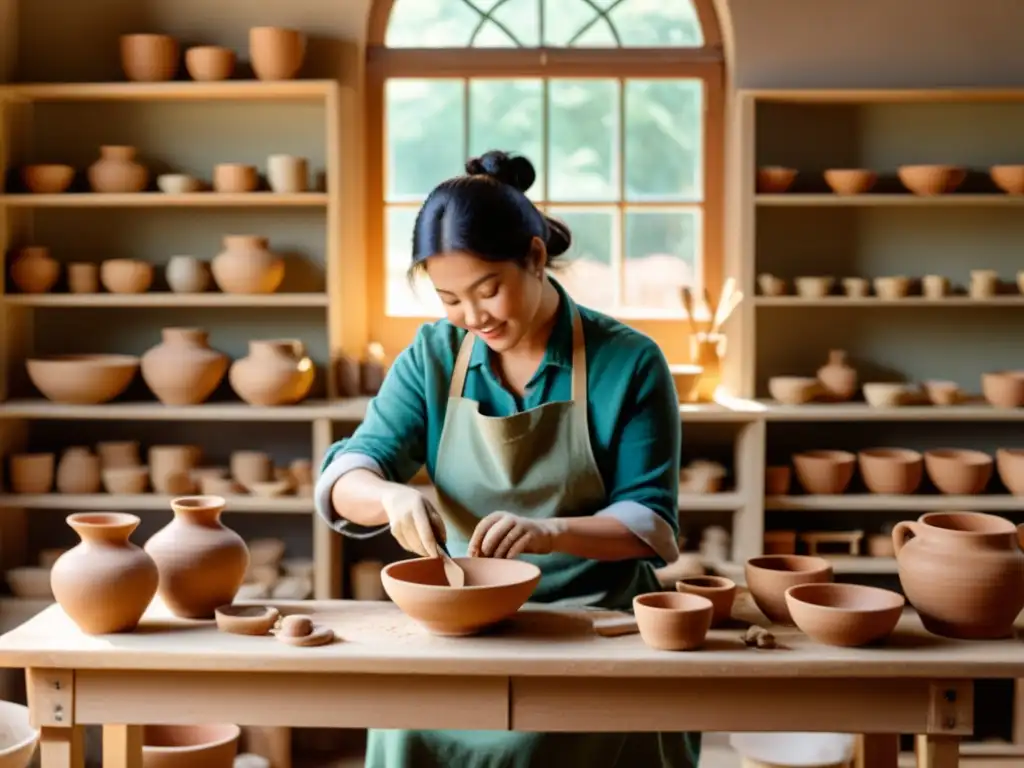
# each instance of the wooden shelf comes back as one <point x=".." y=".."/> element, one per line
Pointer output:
<point x="864" y="412"/>
<point x="184" y="90"/>
<point x="884" y="503"/>
<point x="341" y="410"/>
<point x="157" y="299"/>
<point x="867" y="566"/>
<point x="711" y="502"/>
<point x="149" y="501"/>
<point x="917" y="302"/>
<point x="885" y="200"/>
<point x="742" y="411"/>
<point x="162" y="200"/>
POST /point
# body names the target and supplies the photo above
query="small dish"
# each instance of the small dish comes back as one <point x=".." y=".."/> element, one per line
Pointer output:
<point x="673" y="621"/>
<point x="246" y="619"/>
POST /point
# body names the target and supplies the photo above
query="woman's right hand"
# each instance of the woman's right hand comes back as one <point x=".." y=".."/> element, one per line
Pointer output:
<point x="414" y="522"/>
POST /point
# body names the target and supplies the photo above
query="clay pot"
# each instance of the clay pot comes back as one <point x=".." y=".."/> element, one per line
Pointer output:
<point x="246" y="265"/>
<point x="78" y="471"/>
<point x="195" y="746"/>
<point x="892" y="287"/>
<point x="183" y="369"/>
<point x="850" y="181"/>
<point x="958" y="471"/>
<point x="794" y="390"/>
<point x="287" y="174"/>
<point x="202" y="562"/>
<point x="126" y="275"/>
<point x="1009" y="178"/>
<point x="673" y="621"/>
<point x="82" y="379"/>
<point x="814" y="287"/>
<point x="32" y="472"/>
<point x="856" y="287"/>
<point x="495" y="589"/>
<point x="824" y="472"/>
<point x="718" y="589"/>
<point x="33" y="270"/>
<point x="774" y="178"/>
<point x="894" y="471"/>
<point x="1010" y="463"/>
<point x="209" y="62"/>
<point x="884" y="394"/>
<point x="771" y="285"/>
<point x="187" y="274"/>
<point x="769" y="576"/>
<point x="880" y="545"/>
<point x="105" y="583"/>
<point x="251" y="467"/>
<point x="984" y="283"/>
<point x="234" y="178"/>
<point x="118" y="453"/>
<point x="276" y="372"/>
<point x="779" y="543"/>
<point x="943" y="392"/>
<point x="47" y="178"/>
<point x="83" y="277"/>
<point x="777" y="480"/>
<point x="847" y="615"/>
<point x="125" y="480"/>
<point x="934" y="286"/>
<point x="149" y="58"/>
<point x="276" y="53"/>
<point x="931" y="179"/>
<point x="170" y="468"/>
<point x="1003" y="389"/>
<point x="838" y="379"/>
<point x="963" y="572"/>
<point x="117" y="172"/>
<point x="178" y="184"/>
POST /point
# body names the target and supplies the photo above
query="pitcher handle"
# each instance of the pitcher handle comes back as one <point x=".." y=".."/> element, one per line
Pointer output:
<point x="904" y="531"/>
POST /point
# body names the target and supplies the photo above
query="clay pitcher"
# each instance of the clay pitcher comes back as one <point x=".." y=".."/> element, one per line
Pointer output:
<point x="963" y="572"/>
<point x="117" y="172"/>
<point x="838" y="379"/>
<point x="276" y="372"/>
<point x="183" y="369"/>
<point x="201" y="561"/>
<point x="105" y="583"/>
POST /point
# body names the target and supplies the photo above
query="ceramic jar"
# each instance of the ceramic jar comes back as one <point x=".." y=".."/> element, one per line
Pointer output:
<point x="78" y="471"/>
<point x="246" y="265"/>
<point x="83" y="277"/>
<point x="201" y="561"/>
<point x="287" y="174"/>
<point x="276" y="372"/>
<point x="34" y="270"/>
<point x="963" y="572"/>
<point x="838" y="379"/>
<point x="187" y="274"/>
<point x="183" y="369"/>
<point x="117" y="172"/>
<point x="149" y="58"/>
<point x="276" y="53"/>
<point x="106" y="582"/>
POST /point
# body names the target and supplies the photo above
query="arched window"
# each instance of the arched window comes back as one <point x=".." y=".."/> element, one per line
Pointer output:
<point x="619" y="105"/>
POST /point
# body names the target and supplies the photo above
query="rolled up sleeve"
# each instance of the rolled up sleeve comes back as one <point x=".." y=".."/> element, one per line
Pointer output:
<point x="644" y="492"/>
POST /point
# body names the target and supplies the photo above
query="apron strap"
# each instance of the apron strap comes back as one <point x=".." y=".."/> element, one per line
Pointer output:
<point x="458" y="381"/>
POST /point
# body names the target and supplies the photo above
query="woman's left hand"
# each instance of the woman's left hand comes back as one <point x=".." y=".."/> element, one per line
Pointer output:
<point x="502" y="534"/>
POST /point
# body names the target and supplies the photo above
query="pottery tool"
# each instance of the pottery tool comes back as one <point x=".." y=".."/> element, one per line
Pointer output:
<point x="615" y="623"/>
<point x="688" y="307"/>
<point x="455" y="575"/>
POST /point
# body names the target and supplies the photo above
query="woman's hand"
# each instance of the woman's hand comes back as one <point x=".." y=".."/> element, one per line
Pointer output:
<point x="502" y="534"/>
<point x="414" y="522"/>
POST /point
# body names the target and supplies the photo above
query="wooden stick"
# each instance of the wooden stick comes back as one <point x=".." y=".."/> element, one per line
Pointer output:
<point x="688" y="306"/>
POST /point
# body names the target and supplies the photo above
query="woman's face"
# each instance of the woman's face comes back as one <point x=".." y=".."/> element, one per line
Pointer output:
<point x="497" y="301"/>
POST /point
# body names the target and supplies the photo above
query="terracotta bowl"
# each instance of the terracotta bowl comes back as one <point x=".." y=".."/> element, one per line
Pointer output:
<point x="885" y="394"/>
<point x="892" y="287"/>
<point x="495" y="589"/>
<point x="850" y="181"/>
<point x="769" y="576"/>
<point x="824" y="472"/>
<point x="149" y="58"/>
<point x="844" y="614"/>
<point x="209" y="62"/>
<point x="126" y="275"/>
<point x="173" y="746"/>
<point x="943" y="392"/>
<point x="775" y="178"/>
<point x="1009" y="178"/>
<point x="894" y="471"/>
<point x="18" y="739"/>
<point x="1003" y="389"/>
<point x="685" y="378"/>
<point x="777" y="480"/>
<point x="931" y="179"/>
<point x="718" y="589"/>
<point x="673" y="621"/>
<point x="959" y="471"/>
<point x="47" y="179"/>
<point x="1010" y="464"/>
<point x="793" y="390"/>
<point x="82" y="379"/>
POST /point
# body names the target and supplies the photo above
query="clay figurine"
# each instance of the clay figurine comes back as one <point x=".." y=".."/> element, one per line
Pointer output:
<point x="300" y="630"/>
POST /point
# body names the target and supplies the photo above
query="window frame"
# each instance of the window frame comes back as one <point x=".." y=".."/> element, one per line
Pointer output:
<point x="706" y="63"/>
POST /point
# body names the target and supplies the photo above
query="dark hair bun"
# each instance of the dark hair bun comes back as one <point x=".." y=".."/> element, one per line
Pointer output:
<point x="559" y="237"/>
<point x="514" y="170"/>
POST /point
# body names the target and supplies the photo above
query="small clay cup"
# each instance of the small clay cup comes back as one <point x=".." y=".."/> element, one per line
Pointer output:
<point x="847" y="615"/>
<point x="769" y="576"/>
<point x="718" y="589"/>
<point x="673" y="621"/>
<point x="824" y="472"/>
<point x="892" y="471"/>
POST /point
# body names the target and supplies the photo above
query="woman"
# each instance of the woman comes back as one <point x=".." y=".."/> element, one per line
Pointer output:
<point x="551" y="433"/>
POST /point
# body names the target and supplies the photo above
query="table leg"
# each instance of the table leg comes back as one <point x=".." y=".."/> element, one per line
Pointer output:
<point x="122" y="746"/>
<point x="275" y="744"/>
<point x="62" y="747"/>
<point x="937" y="751"/>
<point x="877" y="750"/>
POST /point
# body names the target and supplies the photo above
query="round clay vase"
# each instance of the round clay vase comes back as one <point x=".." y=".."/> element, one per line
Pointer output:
<point x="183" y="369"/>
<point x="105" y="583"/>
<point x="202" y="562"/>
<point x="34" y="270"/>
<point x="246" y="265"/>
<point x="117" y="172"/>
<point x="838" y="379"/>
<point x="78" y="471"/>
<point x="187" y="274"/>
<point x="963" y="572"/>
<point x="276" y="372"/>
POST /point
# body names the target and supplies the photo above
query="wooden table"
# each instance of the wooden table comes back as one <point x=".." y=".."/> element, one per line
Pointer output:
<point x="546" y="670"/>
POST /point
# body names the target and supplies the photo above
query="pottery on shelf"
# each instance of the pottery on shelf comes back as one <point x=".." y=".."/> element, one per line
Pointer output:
<point x="794" y="390"/>
<point x="1003" y="389"/>
<point x="171" y="467"/>
<point x="850" y="181"/>
<point x="149" y="58"/>
<point x="846" y="615"/>
<point x="892" y="471"/>
<point x="125" y="480"/>
<point x="235" y="178"/>
<point x="33" y="270"/>
<point x="931" y="179"/>
<point x="856" y="287"/>
<point x="769" y="576"/>
<point x="83" y="277"/>
<point x="47" y="178"/>
<point x="934" y="286"/>
<point x="78" y="471"/>
<point x="32" y="472"/>
<point x="958" y="471"/>
<point x="276" y="372"/>
<point x="771" y="285"/>
<point x="718" y="589"/>
<point x="814" y="286"/>
<point x="773" y="179"/>
<point x="183" y="369"/>
<point x="984" y="283"/>
<point x="892" y="287"/>
<point x="838" y="379"/>
<point x="118" y="453"/>
<point x="251" y="467"/>
<point x="126" y="275"/>
<point x="943" y="392"/>
<point x="201" y="561"/>
<point x="247" y="265"/>
<point x="1009" y="178"/>
<point x="372" y="369"/>
<point x="963" y="572"/>
<point x="777" y="480"/>
<point x="187" y="274"/>
<point x="117" y="171"/>
<point x="287" y="174"/>
<point x="177" y="184"/>
<point x="1010" y="465"/>
<point x="209" y="62"/>
<point x="190" y="746"/>
<point x="106" y="582"/>
<point x="885" y="394"/>
<point x="825" y="472"/>
<point x="82" y="379"/>
<point x="276" y="53"/>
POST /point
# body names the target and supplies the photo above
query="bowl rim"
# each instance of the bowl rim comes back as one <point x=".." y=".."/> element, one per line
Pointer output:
<point x="535" y="575"/>
<point x="792" y="593"/>
<point x="721" y="584"/>
<point x="11" y="707"/>
<point x="91" y="358"/>
<point x="821" y="564"/>
<point x="700" y="605"/>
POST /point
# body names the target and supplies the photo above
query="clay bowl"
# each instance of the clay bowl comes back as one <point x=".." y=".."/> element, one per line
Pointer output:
<point x="685" y="378"/>
<point x="30" y="582"/>
<point x="777" y="480"/>
<point x="235" y="178"/>
<point x="18" y="739"/>
<point x="775" y="178"/>
<point x="894" y="471"/>
<point x="793" y="390"/>
<point x="47" y="179"/>
<point x="892" y="287"/>
<point x="824" y="472"/>
<point x="850" y="181"/>
<point x="495" y="589"/>
<point x="209" y="62"/>
<point x="126" y="275"/>
<point x="177" y="183"/>
<point x="959" y="471"/>
<point x="673" y="621"/>
<point x="931" y="179"/>
<point x="246" y="619"/>
<point x="718" y="589"/>
<point x="943" y="392"/>
<point x="82" y="379"/>
<point x="149" y="58"/>
<point x="173" y="746"/>
<point x="771" y="285"/>
<point x="1010" y="464"/>
<point x="814" y="287"/>
<point x="846" y="615"/>
<point x="1009" y="178"/>
<point x="1003" y="389"/>
<point x="884" y="394"/>
<point x="769" y="576"/>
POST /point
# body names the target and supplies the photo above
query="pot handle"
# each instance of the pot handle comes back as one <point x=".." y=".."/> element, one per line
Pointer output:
<point x="902" y="532"/>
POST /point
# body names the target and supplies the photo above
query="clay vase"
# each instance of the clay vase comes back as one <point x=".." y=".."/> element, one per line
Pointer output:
<point x="187" y="274"/>
<point x="183" y="369"/>
<point x="838" y="379"/>
<point x="117" y="172"/>
<point x="78" y="471"/>
<point x="963" y="572"/>
<point x="246" y="265"/>
<point x="105" y="583"/>
<point x="276" y="372"/>
<point x="34" y="271"/>
<point x="201" y="561"/>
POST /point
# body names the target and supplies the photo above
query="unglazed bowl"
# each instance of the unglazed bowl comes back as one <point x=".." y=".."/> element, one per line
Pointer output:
<point x="844" y="614"/>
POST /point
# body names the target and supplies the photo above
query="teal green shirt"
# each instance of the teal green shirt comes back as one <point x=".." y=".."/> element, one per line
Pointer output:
<point x="632" y="404"/>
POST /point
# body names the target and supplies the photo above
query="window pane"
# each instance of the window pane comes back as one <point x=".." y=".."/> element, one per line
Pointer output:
<point x="508" y="115"/>
<point x="662" y="255"/>
<point x="583" y="133"/>
<point x="628" y="23"/>
<point x="587" y="271"/>
<point x="664" y="140"/>
<point x="514" y="22"/>
<point x="425" y="135"/>
<point x="430" y="24"/>
<point x="401" y="299"/>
